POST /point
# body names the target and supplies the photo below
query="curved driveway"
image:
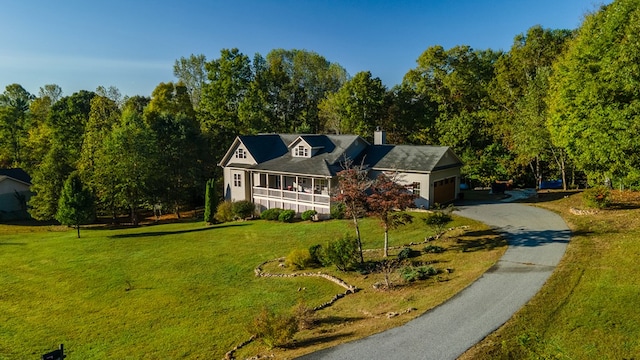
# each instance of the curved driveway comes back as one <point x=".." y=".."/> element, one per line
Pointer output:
<point x="537" y="241"/>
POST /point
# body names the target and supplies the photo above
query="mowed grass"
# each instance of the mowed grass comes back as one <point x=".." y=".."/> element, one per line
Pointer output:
<point x="184" y="290"/>
<point x="589" y="308"/>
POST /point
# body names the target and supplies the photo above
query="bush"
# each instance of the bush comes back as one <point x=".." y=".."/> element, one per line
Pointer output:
<point x="438" y="219"/>
<point x="308" y="215"/>
<point x="286" y="215"/>
<point x="305" y="316"/>
<point x="299" y="259"/>
<point x="315" y="251"/>
<point x="274" y="330"/>
<point x="597" y="197"/>
<point x="410" y="273"/>
<point x="407" y="253"/>
<point x="337" y="211"/>
<point x="343" y="253"/>
<point x="434" y="249"/>
<point x="271" y="214"/>
<point x="224" y="212"/>
<point x="243" y="209"/>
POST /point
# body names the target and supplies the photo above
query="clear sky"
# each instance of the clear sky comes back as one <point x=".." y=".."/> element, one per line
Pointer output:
<point x="132" y="44"/>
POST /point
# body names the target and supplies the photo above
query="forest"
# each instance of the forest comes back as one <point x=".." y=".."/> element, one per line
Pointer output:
<point x="559" y="104"/>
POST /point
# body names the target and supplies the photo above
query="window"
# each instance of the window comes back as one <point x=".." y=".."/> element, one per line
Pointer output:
<point x="240" y="153"/>
<point x="237" y="180"/>
<point x="416" y="189"/>
<point x="301" y="151"/>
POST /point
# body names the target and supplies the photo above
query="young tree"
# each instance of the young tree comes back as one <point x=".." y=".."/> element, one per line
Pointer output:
<point x="352" y="185"/>
<point x="75" y="206"/>
<point x="210" y="202"/>
<point x="388" y="196"/>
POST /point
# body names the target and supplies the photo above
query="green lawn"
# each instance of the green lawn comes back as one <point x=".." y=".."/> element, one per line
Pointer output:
<point x="589" y="307"/>
<point x="168" y="291"/>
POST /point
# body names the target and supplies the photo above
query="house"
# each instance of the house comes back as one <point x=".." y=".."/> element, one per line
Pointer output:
<point x="14" y="194"/>
<point x="298" y="171"/>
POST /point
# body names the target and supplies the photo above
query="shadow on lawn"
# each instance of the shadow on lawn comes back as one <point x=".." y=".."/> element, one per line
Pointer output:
<point x="321" y="339"/>
<point x="483" y="240"/>
<point x="163" y="233"/>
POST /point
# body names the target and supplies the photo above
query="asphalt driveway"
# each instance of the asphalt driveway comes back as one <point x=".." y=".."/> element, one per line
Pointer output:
<point x="537" y="241"/>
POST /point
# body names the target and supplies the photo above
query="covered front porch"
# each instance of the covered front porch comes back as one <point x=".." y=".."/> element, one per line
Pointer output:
<point x="291" y="192"/>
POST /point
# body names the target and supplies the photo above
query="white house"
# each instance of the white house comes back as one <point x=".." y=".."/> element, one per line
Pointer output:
<point x="298" y="172"/>
<point x="14" y="194"/>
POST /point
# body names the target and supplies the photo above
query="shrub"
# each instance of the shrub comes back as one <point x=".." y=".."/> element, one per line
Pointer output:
<point x="434" y="249"/>
<point x="343" y="253"/>
<point x="299" y="259"/>
<point x="287" y="215"/>
<point x="243" y="209"/>
<point x="274" y="330"/>
<point x="315" y="251"/>
<point x="271" y="214"/>
<point x="438" y="219"/>
<point x="308" y="215"/>
<point x="597" y="197"/>
<point x="410" y="273"/>
<point x="407" y="253"/>
<point x="337" y="211"/>
<point x="224" y="212"/>
<point x="305" y="316"/>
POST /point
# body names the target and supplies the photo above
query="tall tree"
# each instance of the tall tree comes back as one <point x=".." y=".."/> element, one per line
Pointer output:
<point x="352" y="185"/>
<point x="519" y="90"/>
<point x="359" y="104"/>
<point x="456" y="82"/>
<point x="75" y="206"/>
<point x="211" y="201"/>
<point x="66" y="120"/>
<point x="14" y="107"/>
<point x="51" y="91"/>
<point x="387" y="196"/>
<point x="128" y="165"/>
<point x="192" y="73"/>
<point x="594" y="107"/>
<point x="171" y="117"/>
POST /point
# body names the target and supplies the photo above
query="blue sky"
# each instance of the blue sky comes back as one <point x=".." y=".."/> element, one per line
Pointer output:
<point x="83" y="44"/>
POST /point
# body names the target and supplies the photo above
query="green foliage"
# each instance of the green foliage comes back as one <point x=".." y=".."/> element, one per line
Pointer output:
<point x="594" y="113"/>
<point x="438" y="218"/>
<point x="210" y="202"/>
<point x="434" y="249"/>
<point x="343" y="253"/>
<point x="224" y="213"/>
<point x="407" y="253"/>
<point x="75" y="206"/>
<point x="597" y="197"/>
<point x="271" y="214"/>
<point x="411" y="273"/>
<point x="308" y="215"/>
<point x="274" y="330"/>
<point x="299" y="259"/>
<point x="286" y="215"/>
<point x="316" y="251"/>
<point x="243" y="209"/>
<point x="337" y="210"/>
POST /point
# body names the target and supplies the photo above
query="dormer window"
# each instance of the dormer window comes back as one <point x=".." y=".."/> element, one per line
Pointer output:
<point x="240" y="153"/>
<point x="301" y="151"/>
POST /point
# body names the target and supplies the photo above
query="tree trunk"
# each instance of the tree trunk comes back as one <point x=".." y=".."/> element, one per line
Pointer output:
<point x="386" y="241"/>
<point x="355" y="223"/>
<point x="78" y="229"/>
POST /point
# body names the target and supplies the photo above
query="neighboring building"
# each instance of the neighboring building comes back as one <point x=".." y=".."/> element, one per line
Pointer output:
<point x="14" y="194"/>
<point x="298" y="172"/>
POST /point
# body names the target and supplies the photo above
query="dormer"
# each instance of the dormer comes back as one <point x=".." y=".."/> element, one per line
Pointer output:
<point x="306" y="146"/>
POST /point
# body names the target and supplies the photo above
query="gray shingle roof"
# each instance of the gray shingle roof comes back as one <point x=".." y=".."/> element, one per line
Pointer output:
<point x="17" y="174"/>
<point x="405" y="157"/>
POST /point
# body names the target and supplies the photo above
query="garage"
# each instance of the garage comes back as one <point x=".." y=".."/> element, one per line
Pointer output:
<point x="444" y="191"/>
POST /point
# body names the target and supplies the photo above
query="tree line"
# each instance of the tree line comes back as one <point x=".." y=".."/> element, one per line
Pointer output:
<point x="559" y="104"/>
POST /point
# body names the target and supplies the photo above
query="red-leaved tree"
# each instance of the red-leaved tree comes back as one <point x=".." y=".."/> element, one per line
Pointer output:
<point x="387" y="197"/>
<point x="352" y="185"/>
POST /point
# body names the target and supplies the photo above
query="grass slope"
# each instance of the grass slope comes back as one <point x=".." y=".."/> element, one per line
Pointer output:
<point x="186" y="291"/>
<point x="588" y="309"/>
